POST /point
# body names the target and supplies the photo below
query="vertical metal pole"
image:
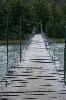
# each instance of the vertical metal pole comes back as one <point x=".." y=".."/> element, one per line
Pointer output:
<point x="20" y="31"/>
<point x="54" y="55"/>
<point x="59" y="54"/>
<point x="20" y="38"/>
<point x="41" y="26"/>
<point x="14" y="45"/>
<point x="65" y="57"/>
<point x="46" y="29"/>
<point x="54" y="47"/>
<point x="7" y="41"/>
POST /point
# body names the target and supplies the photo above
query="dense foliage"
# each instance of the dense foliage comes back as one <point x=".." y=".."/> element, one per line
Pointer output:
<point x="53" y="16"/>
<point x="30" y="14"/>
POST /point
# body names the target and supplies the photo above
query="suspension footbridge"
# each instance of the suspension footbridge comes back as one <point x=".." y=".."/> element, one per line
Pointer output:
<point x="35" y="77"/>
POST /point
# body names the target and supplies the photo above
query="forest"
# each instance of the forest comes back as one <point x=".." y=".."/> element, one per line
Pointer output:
<point x="22" y="16"/>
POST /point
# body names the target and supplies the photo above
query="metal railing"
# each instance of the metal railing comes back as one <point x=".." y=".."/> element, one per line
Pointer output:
<point x="56" y="52"/>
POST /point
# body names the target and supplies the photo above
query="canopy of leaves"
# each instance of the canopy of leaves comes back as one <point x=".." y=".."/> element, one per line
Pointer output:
<point x="51" y="13"/>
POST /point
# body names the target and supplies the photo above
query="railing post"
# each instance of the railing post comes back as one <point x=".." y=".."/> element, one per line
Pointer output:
<point x="65" y="65"/>
<point x="7" y="41"/>
<point x="53" y="55"/>
<point x="59" y="54"/>
<point x="20" y="38"/>
<point x="65" y="58"/>
<point x="20" y="30"/>
<point x="41" y="26"/>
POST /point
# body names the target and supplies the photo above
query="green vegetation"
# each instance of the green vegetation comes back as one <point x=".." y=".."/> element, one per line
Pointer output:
<point x="29" y="13"/>
<point x="52" y="16"/>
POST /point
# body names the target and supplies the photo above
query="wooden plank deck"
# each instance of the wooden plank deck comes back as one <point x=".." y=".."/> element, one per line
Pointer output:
<point x="35" y="77"/>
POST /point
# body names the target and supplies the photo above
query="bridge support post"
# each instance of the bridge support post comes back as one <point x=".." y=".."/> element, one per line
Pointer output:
<point x="65" y="57"/>
<point x="65" y="65"/>
<point x="20" y="39"/>
<point x="20" y="31"/>
<point x="41" y="26"/>
<point x="7" y="40"/>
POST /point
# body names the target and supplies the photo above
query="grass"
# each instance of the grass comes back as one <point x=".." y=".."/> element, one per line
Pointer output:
<point x="10" y="42"/>
<point x="61" y="40"/>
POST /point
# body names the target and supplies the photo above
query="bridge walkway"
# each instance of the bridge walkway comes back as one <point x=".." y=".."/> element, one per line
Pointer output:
<point x="35" y="77"/>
